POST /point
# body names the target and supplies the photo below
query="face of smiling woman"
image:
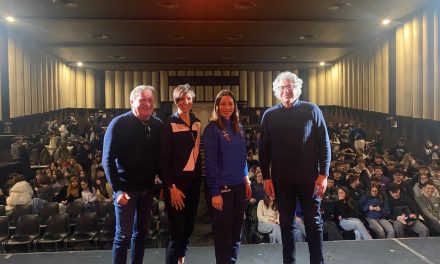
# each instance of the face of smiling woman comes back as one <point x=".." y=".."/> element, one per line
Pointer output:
<point x="226" y="107"/>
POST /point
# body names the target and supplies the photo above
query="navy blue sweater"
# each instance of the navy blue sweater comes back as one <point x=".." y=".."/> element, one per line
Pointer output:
<point x="294" y="144"/>
<point x="131" y="153"/>
<point x="179" y="151"/>
<point x="225" y="155"/>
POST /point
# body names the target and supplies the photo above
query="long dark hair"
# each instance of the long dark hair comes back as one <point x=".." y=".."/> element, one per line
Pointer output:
<point x="348" y="200"/>
<point x="267" y="201"/>
<point x="216" y="118"/>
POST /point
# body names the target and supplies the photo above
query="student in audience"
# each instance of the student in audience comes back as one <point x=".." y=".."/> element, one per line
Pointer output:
<point x="354" y="187"/>
<point x="404" y="213"/>
<point x="257" y="188"/>
<point x="436" y="177"/>
<point x="73" y="191"/>
<point x="181" y="172"/>
<point x="45" y="192"/>
<point x="399" y="150"/>
<point x="379" y="178"/>
<point x="418" y="187"/>
<point x="429" y="204"/>
<point x="88" y="195"/>
<point x="431" y="152"/>
<point x="377" y="211"/>
<point x="348" y="215"/>
<point x="20" y="193"/>
<point x="104" y="191"/>
<point x="269" y="219"/>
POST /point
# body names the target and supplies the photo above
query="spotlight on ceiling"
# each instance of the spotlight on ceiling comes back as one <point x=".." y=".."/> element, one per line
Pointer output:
<point x="322" y="63"/>
<point x="79" y="64"/>
<point x="10" y="19"/>
<point x="386" y="21"/>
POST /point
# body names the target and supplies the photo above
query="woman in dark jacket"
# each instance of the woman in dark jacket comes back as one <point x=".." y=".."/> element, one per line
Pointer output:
<point x="181" y="172"/>
<point x="348" y="215"/>
<point x="376" y="209"/>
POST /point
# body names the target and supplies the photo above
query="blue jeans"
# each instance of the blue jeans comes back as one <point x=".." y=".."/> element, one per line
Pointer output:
<point x="356" y="225"/>
<point x="132" y="226"/>
<point x="274" y="231"/>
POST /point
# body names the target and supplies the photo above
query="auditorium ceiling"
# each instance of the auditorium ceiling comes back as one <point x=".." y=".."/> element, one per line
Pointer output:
<point x="205" y="34"/>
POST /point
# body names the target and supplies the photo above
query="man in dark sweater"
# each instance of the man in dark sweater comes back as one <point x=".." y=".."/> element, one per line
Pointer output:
<point x="131" y="161"/>
<point x="404" y="213"/>
<point x="295" y="160"/>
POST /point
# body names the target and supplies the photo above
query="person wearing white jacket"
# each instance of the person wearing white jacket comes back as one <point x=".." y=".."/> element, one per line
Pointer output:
<point x="269" y="219"/>
<point x="20" y="193"/>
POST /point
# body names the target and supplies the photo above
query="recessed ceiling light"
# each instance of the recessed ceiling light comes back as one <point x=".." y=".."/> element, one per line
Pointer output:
<point x="386" y="21"/>
<point x="244" y="5"/>
<point x="227" y="57"/>
<point x="98" y="36"/>
<point x="79" y="64"/>
<point x="67" y="3"/>
<point x="322" y="63"/>
<point x="307" y="37"/>
<point x="284" y="57"/>
<point x="167" y="4"/>
<point x="234" y="37"/>
<point x="10" y="19"/>
<point x="175" y="37"/>
<point x="119" y="57"/>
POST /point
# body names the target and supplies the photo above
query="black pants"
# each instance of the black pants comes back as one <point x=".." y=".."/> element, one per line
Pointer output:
<point x="286" y="197"/>
<point x="227" y="224"/>
<point x="181" y="221"/>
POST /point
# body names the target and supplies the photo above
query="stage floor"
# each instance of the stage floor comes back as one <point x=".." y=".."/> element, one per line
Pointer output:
<point x="402" y="251"/>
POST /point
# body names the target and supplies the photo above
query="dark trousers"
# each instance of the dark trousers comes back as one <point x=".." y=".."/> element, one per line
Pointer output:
<point x="181" y="221"/>
<point x="227" y="224"/>
<point x="286" y="197"/>
<point x="132" y="226"/>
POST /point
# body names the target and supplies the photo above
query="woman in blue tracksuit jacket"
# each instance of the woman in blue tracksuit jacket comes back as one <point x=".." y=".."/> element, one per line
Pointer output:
<point x="228" y="185"/>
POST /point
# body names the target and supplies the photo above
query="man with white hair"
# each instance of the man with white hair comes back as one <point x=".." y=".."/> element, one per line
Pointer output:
<point x="131" y="161"/>
<point x="295" y="159"/>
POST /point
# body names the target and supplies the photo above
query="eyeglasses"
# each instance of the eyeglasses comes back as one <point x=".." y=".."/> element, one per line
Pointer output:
<point x="289" y="87"/>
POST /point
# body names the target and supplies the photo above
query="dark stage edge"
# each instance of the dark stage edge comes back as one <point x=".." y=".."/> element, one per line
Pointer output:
<point x="402" y="251"/>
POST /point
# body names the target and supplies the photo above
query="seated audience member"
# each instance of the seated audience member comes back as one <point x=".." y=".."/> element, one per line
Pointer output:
<point x="20" y="193"/>
<point x="378" y="161"/>
<point x="73" y="191"/>
<point x="405" y="185"/>
<point x="88" y="195"/>
<point x="431" y="152"/>
<point x="60" y="182"/>
<point x="331" y="193"/>
<point x="46" y="191"/>
<point x="399" y="150"/>
<point x="104" y="191"/>
<point x="35" y="182"/>
<point x="429" y="204"/>
<point x="348" y="215"/>
<point x="354" y="187"/>
<point x="377" y="211"/>
<point x="436" y="177"/>
<point x="268" y="219"/>
<point x="339" y="179"/>
<point x="380" y="178"/>
<point x="329" y="227"/>
<point x="404" y="213"/>
<point x="418" y="187"/>
<point x="257" y="188"/>
<point x="251" y="161"/>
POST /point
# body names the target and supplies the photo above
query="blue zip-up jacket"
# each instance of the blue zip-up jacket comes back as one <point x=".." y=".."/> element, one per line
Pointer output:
<point x="225" y="155"/>
<point x="365" y="203"/>
<point x="294" y="143"/>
